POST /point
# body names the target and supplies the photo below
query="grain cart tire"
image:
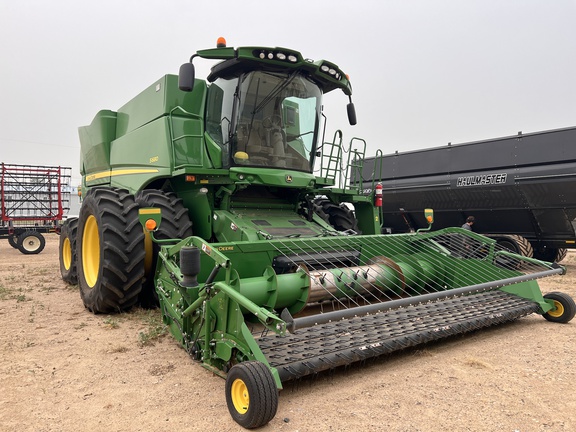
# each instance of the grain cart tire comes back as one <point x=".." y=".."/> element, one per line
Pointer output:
<point x="13" y="241"/>
<point x="339" y="216"/>
<point x="109" y="250"/>
<point x="516" y="244"/>
<point x="31" y="242"/>
<point x="551" y="254"/>
<point x="561" y="254"/>
<point x="251" y="394"/>
<point x="175" y="224"/>
<point x="565" y="308"/>
<point x="67" y="251"/>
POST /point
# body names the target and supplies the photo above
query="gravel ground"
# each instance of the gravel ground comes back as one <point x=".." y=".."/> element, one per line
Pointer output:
<point x="65" y="369"/>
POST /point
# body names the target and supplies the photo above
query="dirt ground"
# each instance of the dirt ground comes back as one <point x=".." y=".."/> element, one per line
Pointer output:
<point x="65" y="369"/>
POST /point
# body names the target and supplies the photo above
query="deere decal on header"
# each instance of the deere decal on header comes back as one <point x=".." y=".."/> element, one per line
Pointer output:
<point x="220" y="201"/>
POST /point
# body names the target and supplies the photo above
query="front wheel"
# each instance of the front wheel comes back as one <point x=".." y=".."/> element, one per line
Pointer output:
<point x="110" y="251"/>
<point x="175" y="225"/>
<point x="564" y="307"/>
<point x="251" y="394"/>
<point x="31" y="242"/>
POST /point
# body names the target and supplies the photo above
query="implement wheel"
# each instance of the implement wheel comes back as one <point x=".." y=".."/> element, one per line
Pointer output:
<point x="251" y="394"/>
<point x="67" y="251"/>
<point x="565" y="308"/>
<point x="110" y="251"/>
<point x="175" y="224"/>
<point x="31" y="242"/>
<point x="13" y="241"/>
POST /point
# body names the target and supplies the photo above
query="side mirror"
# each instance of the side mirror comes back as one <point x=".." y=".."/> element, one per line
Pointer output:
<point x="351" y="113"/>
<point x="186" y="77"/>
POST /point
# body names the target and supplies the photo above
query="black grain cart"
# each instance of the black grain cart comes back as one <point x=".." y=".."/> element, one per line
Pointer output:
<point x="521" y="189"/>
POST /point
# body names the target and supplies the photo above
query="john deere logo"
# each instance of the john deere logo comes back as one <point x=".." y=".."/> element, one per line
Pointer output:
<point x="288" y="179"/>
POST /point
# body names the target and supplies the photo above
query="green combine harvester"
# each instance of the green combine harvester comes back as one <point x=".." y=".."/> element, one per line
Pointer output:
<point x="221" y="201"/>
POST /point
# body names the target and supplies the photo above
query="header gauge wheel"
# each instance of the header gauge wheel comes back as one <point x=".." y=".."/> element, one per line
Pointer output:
<point x="564" y="307"/>
<point x="251" y="394"/>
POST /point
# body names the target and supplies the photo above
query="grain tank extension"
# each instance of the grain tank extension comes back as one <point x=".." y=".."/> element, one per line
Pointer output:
<point x="221" y="201"/>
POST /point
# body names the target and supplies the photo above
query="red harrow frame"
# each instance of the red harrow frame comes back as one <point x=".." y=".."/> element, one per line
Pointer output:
<point x="33" y="199"/>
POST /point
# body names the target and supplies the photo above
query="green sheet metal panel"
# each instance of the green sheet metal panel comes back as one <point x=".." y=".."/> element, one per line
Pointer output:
<point x="158" y="100"/>
<point x="95" y="142"/>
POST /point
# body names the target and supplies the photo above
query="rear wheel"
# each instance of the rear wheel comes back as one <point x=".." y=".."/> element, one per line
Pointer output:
<point x="110" y="251"/>
<point x="251" y="394"/>
<point x="67" y="251"/>
<point x="175" y="224"/>
<point x="31" y="242"/>
<point x="564" y="307"/>
<point x="551" y="254"/>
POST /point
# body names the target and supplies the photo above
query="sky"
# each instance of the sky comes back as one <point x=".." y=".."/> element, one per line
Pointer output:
<point x="424" y="72"/>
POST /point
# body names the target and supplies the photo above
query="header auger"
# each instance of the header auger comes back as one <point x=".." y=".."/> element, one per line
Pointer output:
<point x="202" y="197"/>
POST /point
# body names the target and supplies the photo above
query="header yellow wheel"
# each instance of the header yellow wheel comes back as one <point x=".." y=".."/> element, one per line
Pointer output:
<point x="240" y="396"/>
<point x="564" y="307"/>
<point x="251" y="394"/>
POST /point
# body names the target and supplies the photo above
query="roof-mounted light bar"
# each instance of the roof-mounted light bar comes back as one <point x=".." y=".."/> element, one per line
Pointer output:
<point x="331" y="70"/>
<point x="266" y="54"/>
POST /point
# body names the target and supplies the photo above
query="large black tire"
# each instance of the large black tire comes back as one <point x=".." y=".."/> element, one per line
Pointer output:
<point x="251" y="394"/>
<point x="13" y="241"/>
<point x="175" y="224"/>
<point x="516" y="244"/>
<point x="110" y="251"/>
<point x="31" y="242"/>
<point x="560" y="255"/>
<point x="339" y="216"/>
<point x="565" y="308"/>
<point x="551" y="254"/>
<point x="67" y="251"/>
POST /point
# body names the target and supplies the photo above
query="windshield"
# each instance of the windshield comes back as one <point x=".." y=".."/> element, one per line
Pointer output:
<point x="277" y="118"/>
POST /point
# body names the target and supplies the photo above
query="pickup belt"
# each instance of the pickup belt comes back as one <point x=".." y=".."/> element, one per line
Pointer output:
<point x="327" y="346"/>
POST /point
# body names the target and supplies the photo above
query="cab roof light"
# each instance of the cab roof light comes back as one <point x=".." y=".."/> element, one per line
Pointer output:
<point x="331" y="70"/>
<point x="264" y="54"/>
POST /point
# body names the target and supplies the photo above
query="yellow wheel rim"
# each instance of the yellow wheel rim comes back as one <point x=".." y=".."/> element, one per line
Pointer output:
<point x="67" y="254"/>
<point x="558" y="312"/>
<point x="91" y="251"/>
<point x="240" y="396"/>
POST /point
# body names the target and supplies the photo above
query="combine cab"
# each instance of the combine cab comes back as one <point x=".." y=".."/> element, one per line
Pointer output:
<point x="202" y="197"/>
